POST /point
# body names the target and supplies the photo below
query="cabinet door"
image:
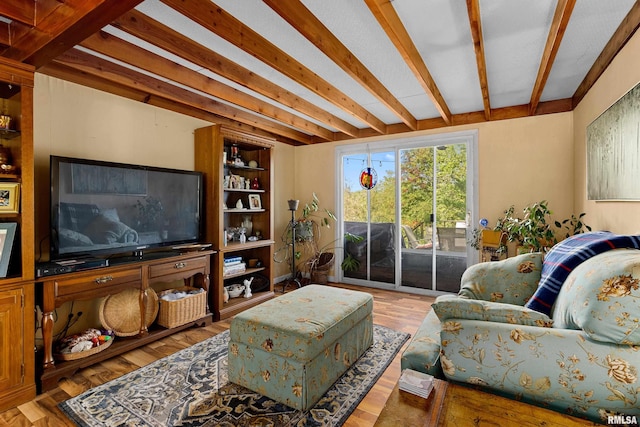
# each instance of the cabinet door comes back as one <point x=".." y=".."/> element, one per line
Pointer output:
<point x="11" y="344"/>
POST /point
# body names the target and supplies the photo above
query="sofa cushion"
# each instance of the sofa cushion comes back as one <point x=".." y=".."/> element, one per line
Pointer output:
<point x="510" y="281"/>
<point x="452" y="307"/>
<point x="602" y="297"/>
<point x="566" y="256"/>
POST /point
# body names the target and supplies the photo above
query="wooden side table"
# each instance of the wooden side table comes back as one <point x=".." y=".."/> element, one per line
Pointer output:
<point x="406" y="409"/>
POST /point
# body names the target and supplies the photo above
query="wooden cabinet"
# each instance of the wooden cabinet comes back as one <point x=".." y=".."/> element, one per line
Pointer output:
<point x="83" y="285"/>
<point x="17" y="330"/>
<point x="230" y="160"/>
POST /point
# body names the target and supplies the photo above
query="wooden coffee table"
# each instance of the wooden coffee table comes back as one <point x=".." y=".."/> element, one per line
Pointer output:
<point x="456" y="405"/>
<point x="407" y="409"/>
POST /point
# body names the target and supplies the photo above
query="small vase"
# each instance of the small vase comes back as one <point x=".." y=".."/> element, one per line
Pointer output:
<point x="255" y="184"/>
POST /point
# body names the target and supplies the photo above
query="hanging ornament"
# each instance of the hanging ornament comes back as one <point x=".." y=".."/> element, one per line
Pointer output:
<point x="368" y="178"/>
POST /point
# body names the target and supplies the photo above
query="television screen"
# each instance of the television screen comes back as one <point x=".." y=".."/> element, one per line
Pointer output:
<point x="100" y="208"/>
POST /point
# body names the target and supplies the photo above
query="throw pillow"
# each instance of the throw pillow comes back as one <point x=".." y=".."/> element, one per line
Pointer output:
<point x="602" y="297"/>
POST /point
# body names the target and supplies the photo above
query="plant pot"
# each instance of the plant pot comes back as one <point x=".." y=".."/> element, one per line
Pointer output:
<point x="321" y="268"/>
<point x="304" y="231"/>
<point x="325" y="261"/>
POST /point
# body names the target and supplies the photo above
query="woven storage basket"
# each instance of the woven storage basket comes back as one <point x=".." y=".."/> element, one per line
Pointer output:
<point x="83" y="354"/>
<point x="181" y="311"/>
<point x="121" y="312"/>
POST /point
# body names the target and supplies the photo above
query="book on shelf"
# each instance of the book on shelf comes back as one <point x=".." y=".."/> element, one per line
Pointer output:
<point x="416" y="382"/>
<point x="228" y="270"/>
<point x="232" y="260"/>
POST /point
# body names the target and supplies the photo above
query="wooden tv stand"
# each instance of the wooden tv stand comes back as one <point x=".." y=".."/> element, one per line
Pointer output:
<point x="53" y="291"/>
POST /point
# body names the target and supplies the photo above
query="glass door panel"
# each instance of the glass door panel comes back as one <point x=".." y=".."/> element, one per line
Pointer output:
<point x="451" y="215"/>
<point x="433" y="216"/>
<point x="370" y="215"/>
<point x="416" y="217"/>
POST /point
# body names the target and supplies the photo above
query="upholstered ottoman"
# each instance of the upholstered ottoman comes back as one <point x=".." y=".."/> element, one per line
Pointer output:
<point x="294" y="347"/>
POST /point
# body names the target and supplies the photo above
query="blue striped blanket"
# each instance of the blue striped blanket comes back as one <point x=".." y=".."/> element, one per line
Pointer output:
<point x="566" y="256"/>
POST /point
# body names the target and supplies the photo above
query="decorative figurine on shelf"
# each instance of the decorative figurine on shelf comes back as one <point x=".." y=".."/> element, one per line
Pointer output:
<point x="239" y="204"/>
<point x="5" y="121"/>
<point x="247" y="288"/>
<point x="243" y="237"/>
<point x="255" y="184"/>
<point x="225" y="295"/>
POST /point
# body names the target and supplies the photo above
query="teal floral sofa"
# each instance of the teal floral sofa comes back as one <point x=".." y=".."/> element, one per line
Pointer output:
<point x="582" y="358"/>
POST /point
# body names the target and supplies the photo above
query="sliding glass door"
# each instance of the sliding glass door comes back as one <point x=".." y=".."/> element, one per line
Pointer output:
<point x="409" y="203"/>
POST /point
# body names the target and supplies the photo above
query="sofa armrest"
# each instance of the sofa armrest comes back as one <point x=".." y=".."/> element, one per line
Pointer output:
<point x="423" y="352"/>
<point x="510" y="281"/>
<point x="451" y="307"/>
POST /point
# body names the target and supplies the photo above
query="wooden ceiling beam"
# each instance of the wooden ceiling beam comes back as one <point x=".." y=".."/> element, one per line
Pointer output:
<point x="218" y="21"/>
<point x="475" y="23"/>
<point x="561" y="18"/>
<point x="306" y="23"/>
<point x="116" y="48"/>
<point x="123" y="76"/>
<point x="67" y="25"/>
<point x="21" y="11"/>
<point x="625" y="31"/>
<point x="152" y="31"/>
<point x="392" y="25"/>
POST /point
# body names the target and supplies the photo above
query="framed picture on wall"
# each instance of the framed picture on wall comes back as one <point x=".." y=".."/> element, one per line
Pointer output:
<point x="9" y="197"/>
<point x="7" y="234"/>
<point x="254" y="201"/>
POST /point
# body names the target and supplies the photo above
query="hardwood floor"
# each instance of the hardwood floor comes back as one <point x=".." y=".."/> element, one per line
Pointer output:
<point x="396" y="310"/>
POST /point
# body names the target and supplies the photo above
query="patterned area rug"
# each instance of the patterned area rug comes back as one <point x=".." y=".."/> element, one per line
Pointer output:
<point x="190" y="388"/>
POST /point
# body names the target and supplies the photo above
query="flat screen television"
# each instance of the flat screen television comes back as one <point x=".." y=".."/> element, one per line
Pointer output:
<point x="100" y="208"/>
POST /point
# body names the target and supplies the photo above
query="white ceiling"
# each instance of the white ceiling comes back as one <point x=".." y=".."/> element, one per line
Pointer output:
<point x="514" y="36"/>
<point x="514" y="31"/>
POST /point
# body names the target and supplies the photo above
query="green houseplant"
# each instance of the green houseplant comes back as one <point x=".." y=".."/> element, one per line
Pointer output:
<point x="536" y="231"/>
<point x="307" y="232"/>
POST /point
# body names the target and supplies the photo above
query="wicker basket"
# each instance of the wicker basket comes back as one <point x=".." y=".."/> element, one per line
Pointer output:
<point x="121" y="312"/>
<point x="181" y="311"/>
<point x="83" y="354"/>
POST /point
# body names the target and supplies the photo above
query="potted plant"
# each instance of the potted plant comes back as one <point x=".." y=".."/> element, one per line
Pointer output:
<point x="320" y="263"/>
<point x="313" y="217"/>
<point x="307" y="229"/>
<point x="536" y="231"/>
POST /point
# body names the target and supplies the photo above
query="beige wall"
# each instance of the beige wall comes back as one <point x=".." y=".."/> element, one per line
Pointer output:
<point x="621" y="76"/>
